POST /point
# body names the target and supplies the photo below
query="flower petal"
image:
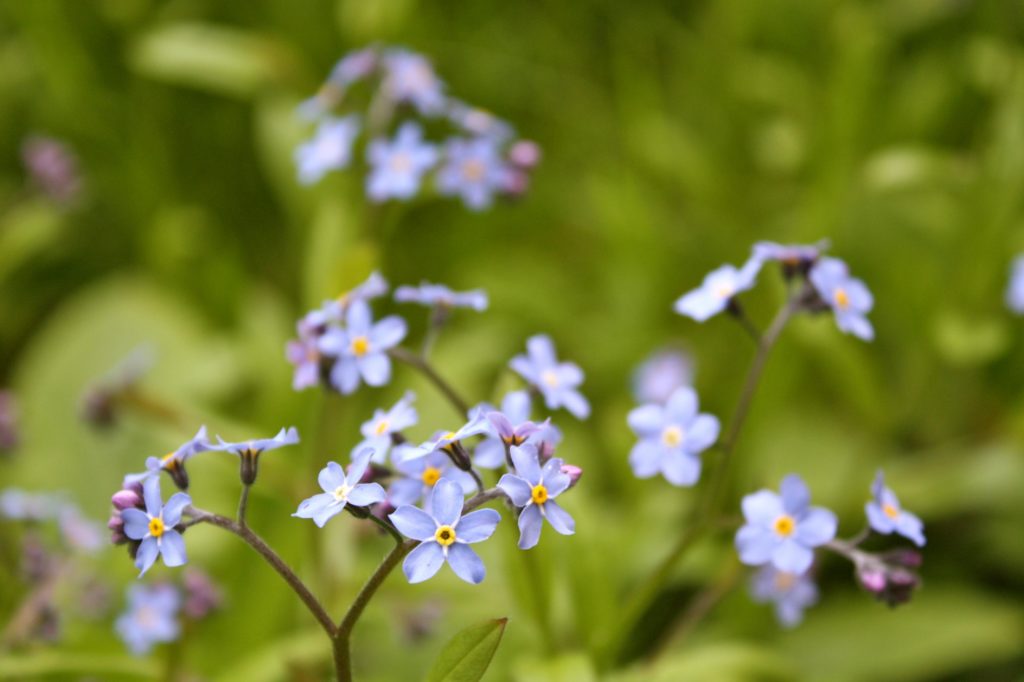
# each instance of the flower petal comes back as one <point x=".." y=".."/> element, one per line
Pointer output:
<point x="911" y="527"/>
<point x="541" y="350"/>
<point x="577" y="405"/>
<point x="146" y="555"/>
<point x="559" y="519"/>
<point x="151" y="494"/>
<point x="375" y="368"/>
<point x="172" y="510"/>
<point x="172" y="548"/>
<point x="647" y="420"/>
<point x="388" y="332"/>
<point x="681" y="407"/>
<point x="414" y="523"/>
<point x="755" y="545"/>
<point x="527" y="465"/>
<point x="423" y="562"/>
<point x="466" y="564"/>
<point x="517" y="489"/>
<point x="530" y="522"/>
<point x="477" y="525"/>
<point x="702" y="433"/>
<point x="792" y="557"/>
<point x="446" y="502"/>
<point x="489" y="454"/>
<point x="136" y="523"/>
<point x="645" y="458"/>
<point x="345" y="375"/>
<point x="817" y="527"/>
<point x="680" y="468"/>
<point x="359" y="464"/>
<point x="310" y="507"/>
<point x="762" y="507"/>
<point x="795" y="495"/>
<point x="552" y="478"/>
<point x="365" y="494"/>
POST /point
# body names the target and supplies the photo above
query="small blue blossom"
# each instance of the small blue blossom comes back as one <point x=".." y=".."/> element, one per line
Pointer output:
<point x="411" y="79"/>
<point x="377" y="431"/>
<point x="671" y="438"/>
<point x="154" y="527"/>
<point x="657" y="377"/>
<point x="789" y="254"/>
<point x="556" y="381"/>
<point x="444" y="534"/>
<point x="1015" y="289"/>
<point x="174" y="462"/>
<point x="885" y="515"/>
<point x="783" y="529"/>
<point x="440" y="296"/>
<point x="349" y="69"/>
<point x="419" y="475"/>
<point x="341" y="489"/>
<point x="478" y="122"/>
<point x="848" y="297"/>
<point x="474" y="170"/>
<point x="151" y="617"/>
<point x="717" y="290"/>
<point x="398" y="166"/>
<point x="330" y="149"/>
<point x="361" y="348"/>
<point x="249" y="451"/>
<point x="515" y="408"/>
<point x="534" y="489"/>
<point x="333" y="311"/>
<point x="448" y="440"/>
<point x="304" y="355"/>
<point x="791" y="593"/>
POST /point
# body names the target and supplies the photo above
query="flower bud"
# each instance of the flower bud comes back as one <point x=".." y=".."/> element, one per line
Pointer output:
<point x="524" y="154"/>
<point x="573" y="472"/>
<point x="125" y="499"/>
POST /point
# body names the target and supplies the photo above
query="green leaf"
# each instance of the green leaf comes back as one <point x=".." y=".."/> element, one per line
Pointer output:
<point x="466" y="656"/>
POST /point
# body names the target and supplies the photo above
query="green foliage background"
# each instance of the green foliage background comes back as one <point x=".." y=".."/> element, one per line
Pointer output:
<point x="675" y="135"/>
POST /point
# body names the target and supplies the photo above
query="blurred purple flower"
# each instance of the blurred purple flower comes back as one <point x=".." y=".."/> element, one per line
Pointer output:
<point x="477" y="122"/>
<point x="18" y="505"/>
<point x="783" y="530"/>
<point x="671" y="438"/>
<point x="847" y="296"/>
<point x="524" y="154"/>
<point x="340" y="489"/>
<point x="444" y="534"/>
<point x="409" y="78"/>
<point x="361" y="348"/>
<point x="474" y="170"/>
<point x="657" y="377"/>
<point x="330" y="149"/>
<point x="202" y="595"/>
<point x="151" y="617"/>
<point x="717" y="290"/>
<point x="556" y="381"/>
<point x="885" y="515"/>
<point x="438" y="295"/>
<point x="154" y="527"/>
<point x="791" y="593"/>
<point x="52" y="167"/>
<point x="399" y="165"/>
<point x="534" y="489"/>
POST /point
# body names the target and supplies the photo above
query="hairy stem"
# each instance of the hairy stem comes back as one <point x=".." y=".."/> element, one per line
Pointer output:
<point x="415" y="361"/>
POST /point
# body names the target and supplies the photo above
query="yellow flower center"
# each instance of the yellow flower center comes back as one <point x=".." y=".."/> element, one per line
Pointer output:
<point x="341" y="493"/>
<point x="473" y="170"/>
<point x="785" y="525"/>
<point x="382" y="427"/>
<point x="550" y="378"/>
<point x="890" y="511"/>
<point x="445" y="535"/>
<point x="842" y="299"/>
<point x="539" y="494"/>
<point x="156" y="526"/>
<point x="784" y="581"/>
<point x="672" y="436"/>
<point x="360" y="346"/>
<point x="430" y="475"/>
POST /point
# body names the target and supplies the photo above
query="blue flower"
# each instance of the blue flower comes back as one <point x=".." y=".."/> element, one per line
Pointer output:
<point x="444" y="534"/>
<point x="341" y="489"/>
<point x="174" y="462"/>
<point x="477" y="122"/>
<point x="717" y="290"/>
<point x="349" y="69"/>
<point x="154" y="527"/>
<point x="790" y="592"/>
<point x="849" y="299"/>
<point x="330" y="149"/>
<point x="657" y="377"/>
<point x="450" y="440"/>
<point x="377" y="431"/>
<point x="515" y="411"/>
<point x="783" y="530"/>
<point x="474" y="170"/>
<point x="249" y="451"/>
<point x="304" y="354"/>
<point x="361" y="348"/>
<point x="151" y="617"/>
<point x="789" y="254"/>
<point x="333" y="311"/>
<point x="440" y="296"/>
<point x="398" y="166"/>
<point x="411" y="79"/>
<point x="534" y="489"/>
<point x="671" y="438"/>
<point x="556" y="381"/>
<point x="885" y="515"/>
<point x="1015" y="289"/>
<point x="419" y="475"/>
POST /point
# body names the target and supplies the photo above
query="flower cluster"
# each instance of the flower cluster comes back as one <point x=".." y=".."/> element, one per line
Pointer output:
<point x="154" y="612"/>
<point x="387" y="93"/>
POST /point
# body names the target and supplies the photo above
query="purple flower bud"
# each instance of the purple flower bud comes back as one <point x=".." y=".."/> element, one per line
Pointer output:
<point x="907" y="558"/>
<point x="515" y="183"/>
<point x="52" y="168"/>
<point x="872" y="580"/>
<point x="115" y="522"/>
<point x="573" y="472"/>
<point x="123" y="499"/>
<point x="134" y="486"/>
<point x="524" y="154"/>
<point x="201" y="595"/>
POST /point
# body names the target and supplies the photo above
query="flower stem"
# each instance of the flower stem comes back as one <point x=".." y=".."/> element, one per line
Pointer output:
<point x="424" y="367"/>
<point x="276" y="562"/>
<point x="243" y="504"/>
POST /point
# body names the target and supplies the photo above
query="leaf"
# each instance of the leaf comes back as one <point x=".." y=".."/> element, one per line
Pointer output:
<point x="466" y="656"/>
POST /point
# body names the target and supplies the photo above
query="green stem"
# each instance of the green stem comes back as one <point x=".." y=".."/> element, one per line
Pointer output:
<point x="415" y="361"/>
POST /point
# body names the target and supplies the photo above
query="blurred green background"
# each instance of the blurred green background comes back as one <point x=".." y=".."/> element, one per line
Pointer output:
<point x="675" y="135"/>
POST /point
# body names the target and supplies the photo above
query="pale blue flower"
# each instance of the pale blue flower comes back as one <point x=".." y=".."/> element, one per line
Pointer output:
<point x="478" y="122"/>
<point x="783" y="529"/>
<point x="448" y="440"/>
<point x="398" y="165"/>
<point x="791" y="593"/>
<point x="341" y="489"/>
<point x="717" y="290"/>
<point x="671" y="438"/>
<point x="516" y="408"/>
<point x="330" y="149"/>
<point x="154" y="527"/>
<point x="249" y="451"/>
<point x="885" y="515"/>
<point x="1015" y="289"/>
<point x="440" y="296"/>
<point x="361" y="348"/>
<point x="534" y="489"/>
<point x="474" y="170"/>
<point x="556" y="381"/>
<point x="444" y="534"/>
<point x="657" y="377"/>
<point x="174" y="462"/>
<point x="151" y="617"/>
<point x="409" y="78"/>
<point x="377" y="432"/>
<point x="333" y="311"/>
<point x="848" y="297"/>
<point x="419" y="475"/>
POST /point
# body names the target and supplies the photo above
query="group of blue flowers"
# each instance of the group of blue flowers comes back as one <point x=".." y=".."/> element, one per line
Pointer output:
<point x="481" y="160"/>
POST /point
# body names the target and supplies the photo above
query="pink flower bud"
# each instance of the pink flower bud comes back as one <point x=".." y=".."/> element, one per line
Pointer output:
<point x="125" y="499"/>
<point x="573" y="472"/>
<point x="524" y="154"/>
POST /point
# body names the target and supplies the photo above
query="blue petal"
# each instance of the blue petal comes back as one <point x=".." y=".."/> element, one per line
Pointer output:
<point x="146" y="555"/>
<point x="413" y="522"/>
<point x="359" y="465"/>
<point x="466" y="564"/>
<point x="489" y="454"/>
<point x="388" y="332"/>
<point x="478" y="525"/>
<point x="527" y="465"/>
<point x="877" y="519"/>
<point x="755" y="545"/>
<point x="366" y="494"/>
<point x="375" y="368"/>
<point x="530" y="522"/>
<point x="795" y="495"/>
<point x="910" y="526"/>
<point x="702" y="433"/>
<point x="423" y="562"/>
<point x="172" y="548"/>
<point x="345" y="375"/>
<point x="553" y="479"/>
<point x="645" y="458"/>
<point x="136" y="523"/>
<point x="577" y="405"/>
<point x="559" y="519"/>
<point x="405" y="491"/>
<point x="681" y="407"/>
<point x="762" y="507"/>
<point x="151" y="494"/>
<point x="174" y="507"/>
<point x="517" y="489"/>
<point x="792" y="557"/>
<point x="817" y="527"/>
<point x="680" y="468"/>
<point x="311" y="506"/>
<point x="331" y="477"/>
<point x="446" y="502"/>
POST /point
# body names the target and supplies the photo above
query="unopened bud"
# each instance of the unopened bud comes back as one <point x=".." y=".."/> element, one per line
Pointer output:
<point x="525" y="154"/>
<point x="573" y="472"/>
<point x="125" y="499"/>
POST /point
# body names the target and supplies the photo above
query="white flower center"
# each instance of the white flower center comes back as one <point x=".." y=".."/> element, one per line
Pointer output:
<point x="672" y="436"/>
<point x="341" y="492"/>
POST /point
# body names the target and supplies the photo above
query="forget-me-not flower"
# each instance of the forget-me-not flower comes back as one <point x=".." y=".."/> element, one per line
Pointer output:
<point x="556" y="381"/>
<point x="783" y="529"/>
<point x="1015" y="289"/>
<point x="398" y="165"/>
<point x="474" y="170"/>
<point x="534" y="489"/>
<point x="789" y="254"/>
<point x="514" y="426"/>
<point x="717" y="290"/>
<point x="444" y="534"/>
<point x="791" y="593"/>
<point x="411" y="79"/>
<point x="304" y="355"/>
<point x="361" y="348"/>
<point x="174" y="462"/>
<point x="450" y="441"/>
<point x="330" y="149"/>
<point x="848" y="297"/>
<point x="671" y="438"/>
<point x="154" y="527"/>
<point x="377" y="431"/>
<point x="249" y="451"/>
<point x="440" y="296"/>
<point x="885" y="515"/>
<point x="151" y="617"/>
<point x="657" y="377"/>
<point x="340" y="489"/>
<point x="420" y="474"/>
